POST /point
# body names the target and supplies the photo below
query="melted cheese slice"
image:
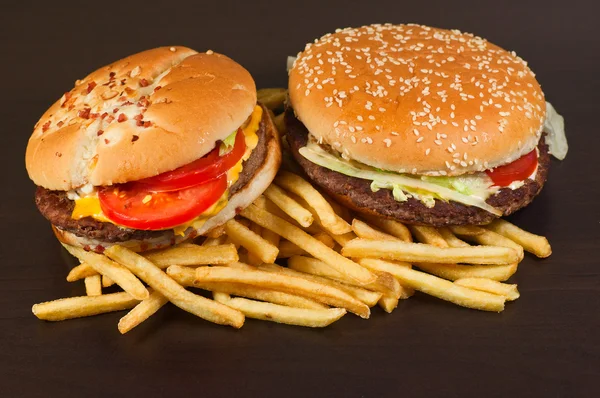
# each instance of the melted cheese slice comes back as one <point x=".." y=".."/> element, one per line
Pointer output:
<point x="89" y="206"/>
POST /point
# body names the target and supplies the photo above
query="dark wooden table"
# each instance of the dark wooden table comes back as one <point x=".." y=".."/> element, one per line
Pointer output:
<point x="545" y="344"/>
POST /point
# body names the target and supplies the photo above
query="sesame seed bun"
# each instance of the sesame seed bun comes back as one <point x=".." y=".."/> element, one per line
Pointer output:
<point x="138" y="117"/>
<point x="419" y="100"/>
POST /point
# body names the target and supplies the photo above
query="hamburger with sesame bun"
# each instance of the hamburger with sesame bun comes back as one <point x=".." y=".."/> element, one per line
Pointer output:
<point x="423" y="125"/>
<point x="151" y="150"/>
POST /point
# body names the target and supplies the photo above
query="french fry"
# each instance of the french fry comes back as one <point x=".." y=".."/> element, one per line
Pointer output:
<point x="81" y="271"/>
<point x="144" y="310"/>
<point x="344" y="238"/>
<point x="368" y="297"/>
<point x="288" y="249"/>
<point x="253" y="258"/>
<point x="389" y="267"/>
<point x="216" y="232"/>
<point x="317" y="249"/>
<point x="117" y="272"/>
<point x="193" y="256"/>
<point x="451" y="239"/>
<point x="185" y="276"/>
<point x="271" y="237"/>
<point x="272" y="98"/>
<point x="281" y="314"/>
<point x="323" y="210"/>
<point x="429" y="235"/>
<point x="491" y="238"/>
<point x="93" y="285"/>
<point x="289" y="206"/>
<point x="510" y="292"/>
<point x="455" y="271"/>
<point x="215" y="241"/>
<point x="388" y="303"/>
<point x="419" y="252"/>
<point x="252" y="241"/>
<point x="175" y="293"/>
<point x="78" y="307"/>
<point x="392" y="227"/>
<point x="340" y="210"/>
<point x="266" y="204"/>
<point x="535" y="244"/>
<point x="280" y="123"/>
<point x="365" y="231"/>
<point x="385" y="282"/>
<point x="467" y="230"/>
<point x="445" y="290"/>
<point x="286" y="283"/>
<point x="106" y="281"/>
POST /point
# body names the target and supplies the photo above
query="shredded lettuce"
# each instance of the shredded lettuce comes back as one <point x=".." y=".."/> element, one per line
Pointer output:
<point x="227" y="144"/>
<point x="478" y="184"/>
<point x="422" y="189"/>
<point x="554" y="125"/>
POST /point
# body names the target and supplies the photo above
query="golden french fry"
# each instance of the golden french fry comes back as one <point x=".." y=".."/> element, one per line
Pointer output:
<point x="365" y="231"/>
<point x="106" y="281"/>
<point x="510" y="292"/>
<point x="451" y="239"/>
<point x="429" y="235"/>
<point x="272" y="98"/>
<point x="280" y="123"/>
<point x="286" y="283"/>
<point x="344" y="238"/>
<point x="281" y="314"/>
<point x="445" y="290"/>
<point x="252" y="258"/>
<point x="323" y="210"/>
<point x="175" y="293"/>
<point x="77" y="307"/>
<point x="117" y="272"/>
<point x="216" y="232"/>
<point x="192" y="256"/>
<point x="309" y="244"/>
<point x="142" y="311"/>
<point x="93" y="285"/>
<point x="215" y="241"/>
<point x="340" y="210"/>
<point x="81" y="271"/>
<point x="491" y="238"/>
<point x="252" y="241"/>
<point x="288" y="249"/>
<point x="266" y="204"/>
<point x="392" y="227"/>
<point x="388" y="303"/>
<point x="271" y="237"/>
<point x="368" y="297"/>
<point x="467" y="230"/>
<point x="535" y="244"/>
<point x="419" y="252"/>
<point x="289" y="206"/>
<point x="185" y="276"/>
<point x="384" y="283"/>
<point x="455" y="271"/>
<point x="389" y="267"/>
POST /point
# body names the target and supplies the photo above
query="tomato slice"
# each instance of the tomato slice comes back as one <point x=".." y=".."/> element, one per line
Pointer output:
<point x="134" y="206"/>
<point x="518" y="170"/>
<point x="199" y="171"/>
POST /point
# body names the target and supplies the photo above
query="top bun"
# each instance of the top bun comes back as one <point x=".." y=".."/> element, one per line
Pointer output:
<point x="146" y="114"/>
<point x="419" y="100"/>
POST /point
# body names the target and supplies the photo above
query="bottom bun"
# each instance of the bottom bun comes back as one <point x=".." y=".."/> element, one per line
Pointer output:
<point x="261" y="179"/>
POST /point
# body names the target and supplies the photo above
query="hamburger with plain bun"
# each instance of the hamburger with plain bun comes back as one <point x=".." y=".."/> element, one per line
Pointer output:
<point x="422" y="125"/>
<point x="151" y="150"/>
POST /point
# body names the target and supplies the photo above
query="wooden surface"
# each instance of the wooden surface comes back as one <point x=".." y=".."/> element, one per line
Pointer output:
<point x="545" y="344"/>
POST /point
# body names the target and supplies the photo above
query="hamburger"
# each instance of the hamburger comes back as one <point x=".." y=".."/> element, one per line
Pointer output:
<point x="151" y="150"/>
<point x="423" y="125"/>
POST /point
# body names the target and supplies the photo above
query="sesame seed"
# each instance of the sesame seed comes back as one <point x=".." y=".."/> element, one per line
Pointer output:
<point x="427" y="151"/>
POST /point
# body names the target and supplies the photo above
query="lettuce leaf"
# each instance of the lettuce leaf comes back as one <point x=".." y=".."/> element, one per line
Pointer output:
<point x="424" y="190"/>
<point x="227" y="144"/>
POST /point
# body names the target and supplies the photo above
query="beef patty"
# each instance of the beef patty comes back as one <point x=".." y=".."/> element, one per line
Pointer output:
<point x="57" y="207"/>
<point x="356" y="193"/>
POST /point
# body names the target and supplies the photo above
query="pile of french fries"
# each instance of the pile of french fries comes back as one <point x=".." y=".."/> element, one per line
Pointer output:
<point x="296" y="257"/>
